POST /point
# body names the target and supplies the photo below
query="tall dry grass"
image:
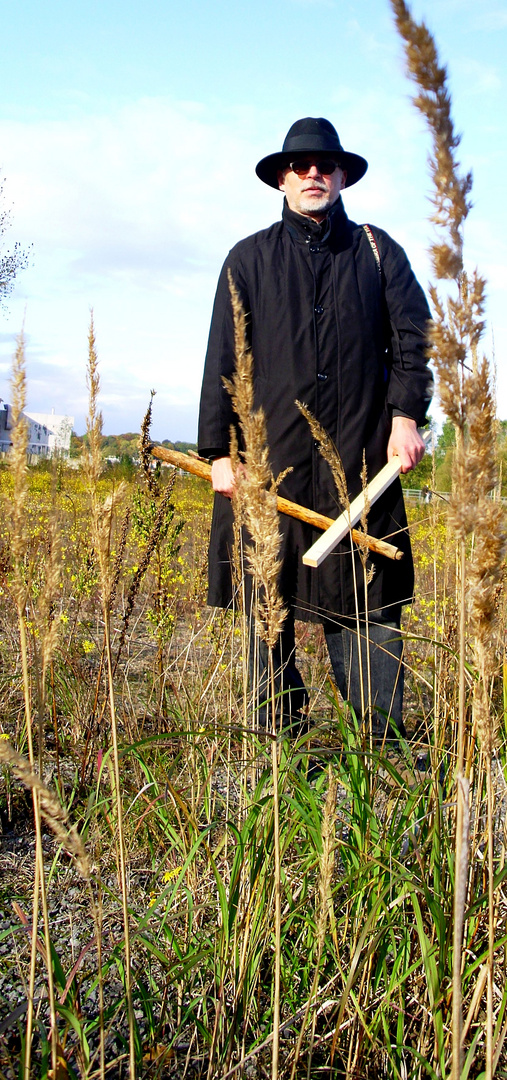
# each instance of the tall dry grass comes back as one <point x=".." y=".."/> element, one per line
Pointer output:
<point x="364" y="975"/>
<point x="256" y="502"/>
<point x="101" y="522"/>
<point x="466" y="391"/>
<point x="21" y="579"/>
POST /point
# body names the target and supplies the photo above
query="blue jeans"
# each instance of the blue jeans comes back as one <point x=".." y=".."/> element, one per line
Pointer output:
<point x="290" y="691"/>
<point x="385" y="676"/>
<point x="382" y="696"/>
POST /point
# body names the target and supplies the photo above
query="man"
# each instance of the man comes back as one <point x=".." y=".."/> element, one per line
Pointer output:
<point x="337" y="320"/>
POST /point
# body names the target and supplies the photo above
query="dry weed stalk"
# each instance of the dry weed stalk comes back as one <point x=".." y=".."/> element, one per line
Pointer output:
<point x="120" y="555"/>
<point x="145" y="447"/>
<point x="101" y="525"/>
<point x="19" y="548"/>
<point x="45" y="618"/>
<point x="465" y="384"/>
<point x="44" y="637"/>
<point x="257" y="494"/>
<point x="143" y="565"/>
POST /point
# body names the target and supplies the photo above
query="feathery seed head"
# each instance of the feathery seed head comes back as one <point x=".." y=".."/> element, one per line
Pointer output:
<point x="256" y="488"/>
<point x="329" y="453"/>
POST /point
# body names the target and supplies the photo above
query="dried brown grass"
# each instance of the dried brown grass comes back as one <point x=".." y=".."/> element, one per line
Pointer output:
<point x="256" y="506"/>
<point x="257" y="487"/>
<point x="466" y="389"/>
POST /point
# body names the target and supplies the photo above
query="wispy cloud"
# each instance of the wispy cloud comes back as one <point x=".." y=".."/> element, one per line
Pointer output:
<point x="132" y="211"/>
<point x="130" y="190"/>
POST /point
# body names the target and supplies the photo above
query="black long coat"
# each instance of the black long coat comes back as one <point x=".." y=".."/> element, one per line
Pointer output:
<point x="328" y="328"/>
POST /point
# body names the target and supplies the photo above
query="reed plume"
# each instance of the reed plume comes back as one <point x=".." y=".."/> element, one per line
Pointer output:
<point x="237" y="562"/>
<point x="257" y="487"/>
<point x="465" y="385"/>
<point x="44" y="615"/>
<point x="257" y="495"/>
<point x="329" y="452"/>
<point x="19" y="469"/>
<point x="450" y="190"/>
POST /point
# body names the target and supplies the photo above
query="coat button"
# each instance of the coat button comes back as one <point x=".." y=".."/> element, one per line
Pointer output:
<point x="322" y="376"/>
<point x="319" y="310"/>
<point x="314" y="248"/>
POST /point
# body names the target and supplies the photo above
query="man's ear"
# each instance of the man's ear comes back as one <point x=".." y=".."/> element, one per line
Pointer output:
<point x="281" y="179"/>
<point x="344" y="179"/>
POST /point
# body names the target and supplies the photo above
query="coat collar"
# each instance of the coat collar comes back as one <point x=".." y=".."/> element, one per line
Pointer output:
<point x="305" y="229"/>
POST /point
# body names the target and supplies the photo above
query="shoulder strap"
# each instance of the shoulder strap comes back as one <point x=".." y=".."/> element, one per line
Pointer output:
<point x="374" y="246"/>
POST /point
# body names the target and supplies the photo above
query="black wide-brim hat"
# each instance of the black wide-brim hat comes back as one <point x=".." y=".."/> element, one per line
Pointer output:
<point x="312" y="135"/>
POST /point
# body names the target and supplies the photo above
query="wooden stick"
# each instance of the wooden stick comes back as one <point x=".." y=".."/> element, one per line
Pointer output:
<point x="325" y="544"/>
<point x="198" y="467"/>
<point x="336" y="532"/>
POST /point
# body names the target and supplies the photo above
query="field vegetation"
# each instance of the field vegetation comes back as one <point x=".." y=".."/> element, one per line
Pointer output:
<point x="185" y="893"/>
<point x="367" y="862"/>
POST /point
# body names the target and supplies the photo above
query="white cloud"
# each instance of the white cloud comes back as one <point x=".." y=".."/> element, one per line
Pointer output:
<point x="130" y="190"/>
<point x="133" y="211"/>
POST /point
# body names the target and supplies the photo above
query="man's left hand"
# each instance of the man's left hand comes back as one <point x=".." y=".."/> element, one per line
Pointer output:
<point x="406" y="442"/>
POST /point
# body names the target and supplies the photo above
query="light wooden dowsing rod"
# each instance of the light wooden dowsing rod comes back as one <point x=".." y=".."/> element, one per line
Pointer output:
<point x="198" y="467"/>
<point x="336" y="532"/>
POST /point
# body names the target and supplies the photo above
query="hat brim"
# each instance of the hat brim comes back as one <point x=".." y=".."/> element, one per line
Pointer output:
<point x="268" y="168"/>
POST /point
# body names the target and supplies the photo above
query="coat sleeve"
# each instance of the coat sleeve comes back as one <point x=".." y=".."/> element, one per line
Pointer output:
<point x="410" y="381"/>
<point x="216" y="413"/>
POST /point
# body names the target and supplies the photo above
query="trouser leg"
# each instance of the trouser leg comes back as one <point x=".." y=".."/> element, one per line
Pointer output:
<point x="385" y="678"/>
<point x="290" y="691"/>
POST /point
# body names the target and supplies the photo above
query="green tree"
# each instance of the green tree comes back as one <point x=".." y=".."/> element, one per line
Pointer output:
<point x="444" y="455"/>
<point x="502" y="454"/>
<point x="10" y="261"/>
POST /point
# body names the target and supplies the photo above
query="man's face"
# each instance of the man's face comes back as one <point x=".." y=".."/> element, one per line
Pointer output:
<point x="314" y="192"/>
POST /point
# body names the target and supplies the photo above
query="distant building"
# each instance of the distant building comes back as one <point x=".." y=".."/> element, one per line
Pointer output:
<point x="48" y="433"/>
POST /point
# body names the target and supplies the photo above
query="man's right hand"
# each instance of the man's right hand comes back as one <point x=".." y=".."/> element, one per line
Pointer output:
<point x="222" y="476"/>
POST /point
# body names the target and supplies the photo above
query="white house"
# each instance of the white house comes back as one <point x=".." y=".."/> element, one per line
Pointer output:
<point x="48" y="433"/>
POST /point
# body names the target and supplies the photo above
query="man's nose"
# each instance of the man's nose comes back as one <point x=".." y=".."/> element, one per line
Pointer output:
<point x="313" y="170"/>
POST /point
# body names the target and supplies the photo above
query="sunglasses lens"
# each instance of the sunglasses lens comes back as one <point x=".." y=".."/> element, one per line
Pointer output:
<point x="326" y="168"/>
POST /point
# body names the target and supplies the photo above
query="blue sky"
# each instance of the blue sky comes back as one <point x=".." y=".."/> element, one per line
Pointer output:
<point x="129" y="136"/>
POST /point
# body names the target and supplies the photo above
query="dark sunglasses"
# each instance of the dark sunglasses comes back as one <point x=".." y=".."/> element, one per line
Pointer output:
<point x="326" y="167"/>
